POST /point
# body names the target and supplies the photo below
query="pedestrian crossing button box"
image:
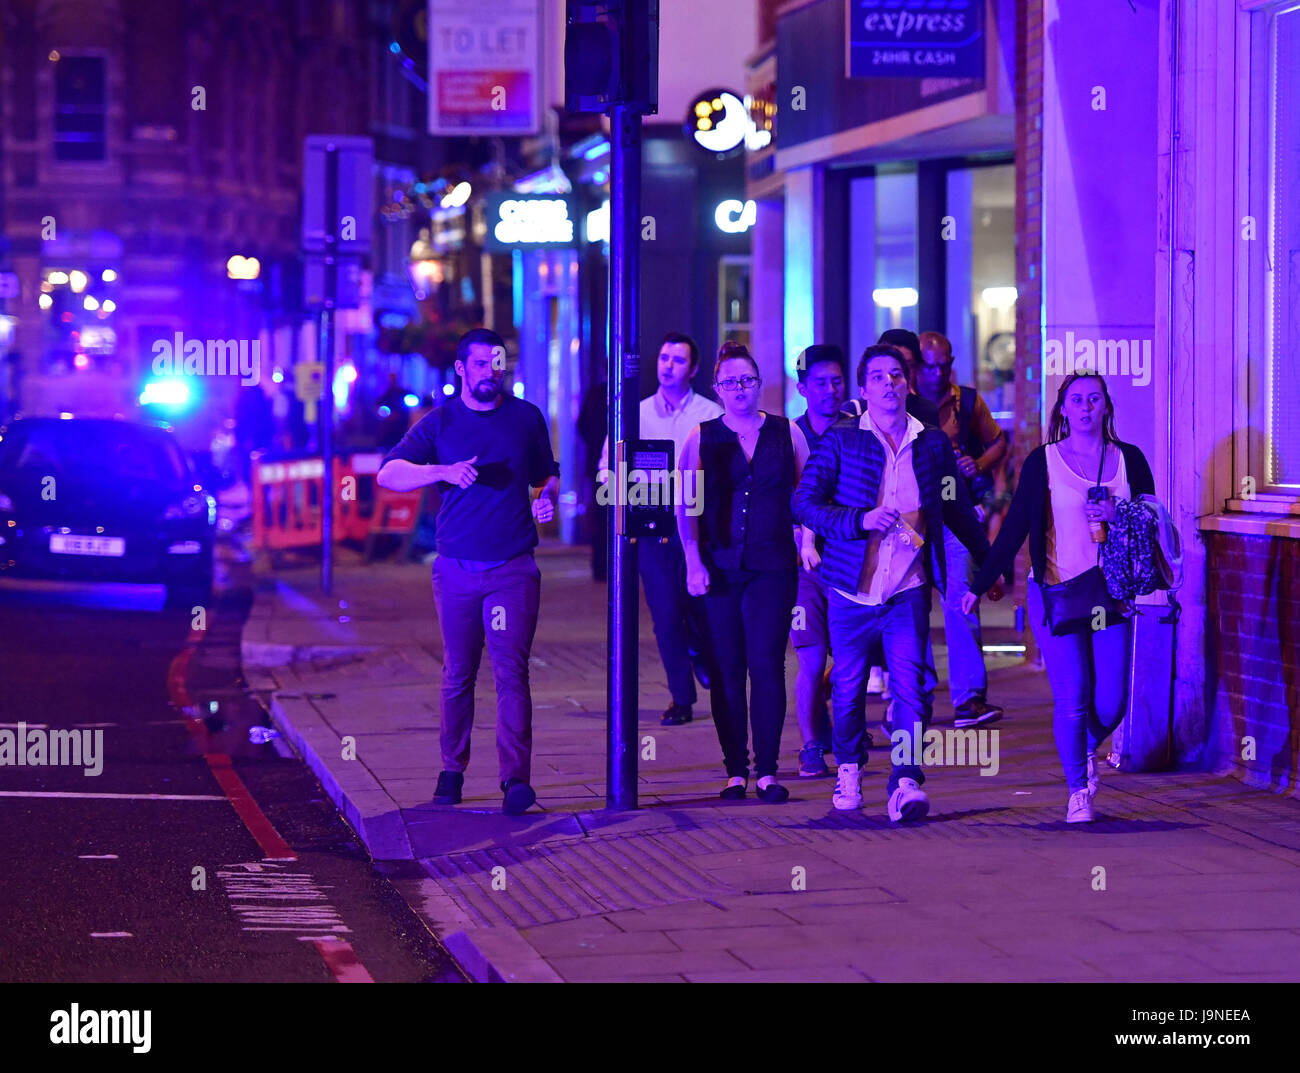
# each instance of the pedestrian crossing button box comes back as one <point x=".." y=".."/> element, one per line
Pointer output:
<point x="647" y="488"/>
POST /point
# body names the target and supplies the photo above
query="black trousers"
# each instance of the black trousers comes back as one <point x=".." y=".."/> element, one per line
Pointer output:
<point x="681" y="629"/>
<point x="749" y="619"/>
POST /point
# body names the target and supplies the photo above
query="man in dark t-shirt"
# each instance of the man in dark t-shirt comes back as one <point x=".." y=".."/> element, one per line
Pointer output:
<point x="485" y="450"/>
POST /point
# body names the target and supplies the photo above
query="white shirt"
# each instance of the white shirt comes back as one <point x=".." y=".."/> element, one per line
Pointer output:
<point x="893" y="562"/>
<point x="1070" y="550"/>
<point x="660" y="420"/>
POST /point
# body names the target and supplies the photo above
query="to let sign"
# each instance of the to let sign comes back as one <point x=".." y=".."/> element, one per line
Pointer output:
<point x="484" y="67"/>
<point x="915" y="38"/>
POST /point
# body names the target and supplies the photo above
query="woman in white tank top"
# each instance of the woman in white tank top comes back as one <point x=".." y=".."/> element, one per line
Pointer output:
<point x="1070" y="547"/>
<point x="1089" y="670"/>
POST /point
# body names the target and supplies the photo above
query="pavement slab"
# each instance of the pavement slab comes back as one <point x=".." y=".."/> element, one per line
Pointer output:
<point x="1201" y="871"/>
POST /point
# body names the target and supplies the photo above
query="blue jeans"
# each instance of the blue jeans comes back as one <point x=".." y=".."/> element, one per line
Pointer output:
<point x="967" y="678"/>
<point x="900" y="626"/>
<point x="1088" y="673"/>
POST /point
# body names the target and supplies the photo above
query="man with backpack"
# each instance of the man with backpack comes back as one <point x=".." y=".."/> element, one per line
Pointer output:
<point x="980" y="446"/>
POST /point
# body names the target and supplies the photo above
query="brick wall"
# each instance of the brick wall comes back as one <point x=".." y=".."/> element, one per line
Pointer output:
<point x="1253" y="657"/>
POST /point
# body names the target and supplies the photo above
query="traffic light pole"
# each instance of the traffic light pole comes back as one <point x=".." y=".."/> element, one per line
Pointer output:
<point x="325" y="415"/>
<point x="624" y="427"/>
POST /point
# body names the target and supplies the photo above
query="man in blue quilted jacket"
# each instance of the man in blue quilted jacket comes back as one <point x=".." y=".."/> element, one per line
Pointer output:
<point x="880" y="490"/>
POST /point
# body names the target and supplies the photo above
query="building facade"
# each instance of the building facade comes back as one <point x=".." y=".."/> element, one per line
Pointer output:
<point x="151" y="152"/>
<point x="885" y="186"/>
<point x="1148" y="231"/>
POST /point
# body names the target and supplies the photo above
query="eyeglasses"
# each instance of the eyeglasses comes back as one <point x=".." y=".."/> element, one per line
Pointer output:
<point x="733" y="382"/>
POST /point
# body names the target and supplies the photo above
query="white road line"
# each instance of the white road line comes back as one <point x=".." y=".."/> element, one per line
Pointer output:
<point x="97" y="857"/>
<point x="111" y="935"/>
<point x="116" y="797"/>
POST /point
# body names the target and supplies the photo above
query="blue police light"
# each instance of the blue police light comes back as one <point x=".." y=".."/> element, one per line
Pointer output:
<point x="170" y="394"/>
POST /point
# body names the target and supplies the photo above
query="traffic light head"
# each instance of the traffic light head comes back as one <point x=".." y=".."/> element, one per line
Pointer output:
<point x="611" y="55"/>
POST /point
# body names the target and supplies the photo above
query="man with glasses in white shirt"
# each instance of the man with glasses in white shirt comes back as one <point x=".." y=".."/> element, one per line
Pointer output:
<point x="681" y="630"/>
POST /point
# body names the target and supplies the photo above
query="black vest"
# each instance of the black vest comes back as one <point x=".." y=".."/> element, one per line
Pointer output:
<point x="747" y="521"/>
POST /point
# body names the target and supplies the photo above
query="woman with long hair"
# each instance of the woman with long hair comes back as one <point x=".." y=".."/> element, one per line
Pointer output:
<point x="741" y="556"/>
<point x="1065" y="498"/>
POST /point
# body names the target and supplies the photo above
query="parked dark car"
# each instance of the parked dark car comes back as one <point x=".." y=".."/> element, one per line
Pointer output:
<point x="109" y="500"/>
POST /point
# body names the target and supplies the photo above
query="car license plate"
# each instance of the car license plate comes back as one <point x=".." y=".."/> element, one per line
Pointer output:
<point x="63" y="544"/>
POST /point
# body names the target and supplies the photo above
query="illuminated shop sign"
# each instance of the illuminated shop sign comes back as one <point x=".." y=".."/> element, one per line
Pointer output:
<point x="521" y="221"/>
<point x="598" y="223"/>
<point x="719" y="122"/>
<point x="735" y="217"/>
<point x="945" y="39"/>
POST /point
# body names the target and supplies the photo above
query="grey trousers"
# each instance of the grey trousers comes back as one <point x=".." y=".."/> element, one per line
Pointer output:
<point x="496" y="607"/>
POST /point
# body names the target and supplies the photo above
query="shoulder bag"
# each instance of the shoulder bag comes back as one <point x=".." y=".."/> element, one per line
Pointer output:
<point x="1071" y="606"/>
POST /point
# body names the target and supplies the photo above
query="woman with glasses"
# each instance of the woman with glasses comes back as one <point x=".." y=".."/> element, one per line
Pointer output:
<point x="742" y="554"/>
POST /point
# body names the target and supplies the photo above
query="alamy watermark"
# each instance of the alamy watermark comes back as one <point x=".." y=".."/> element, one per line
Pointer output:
<point x="75" y="1025"/>
<point x="947" y="747"/>
<point x="650" y="488"/>
<point x="212" y="357"/>
<point x="44" y="747"/>
<point x="1106" y="357"/>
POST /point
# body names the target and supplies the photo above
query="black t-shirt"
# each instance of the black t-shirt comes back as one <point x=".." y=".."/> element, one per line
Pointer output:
<point x="492" y="519"/>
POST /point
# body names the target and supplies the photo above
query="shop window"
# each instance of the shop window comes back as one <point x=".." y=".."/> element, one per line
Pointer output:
<point x="1270" y="461"/>
<point x="981" y="275"/>
<point x="894" y="292"/>
<point x="80" y="109"/>
<point x="733" y="300"/>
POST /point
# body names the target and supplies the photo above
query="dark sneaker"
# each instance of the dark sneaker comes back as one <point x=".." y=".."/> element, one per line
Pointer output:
<point x="676" y="715"/>
<point x="733" y="793"/>
<point x="773" y="793"/>
<point x="519" y="797"/>
<point x="450" y="784"/>
<point x="976" y="712"/>
<point x="812" y="765"/>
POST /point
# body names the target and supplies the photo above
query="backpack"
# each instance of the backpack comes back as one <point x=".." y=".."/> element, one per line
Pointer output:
<point x="982" y="485"/>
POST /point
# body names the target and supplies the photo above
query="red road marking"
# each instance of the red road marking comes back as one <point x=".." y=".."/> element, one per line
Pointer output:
<point x="342" y="961"/>
<point x="274" y="848"/>
<point x="339" y="957"/>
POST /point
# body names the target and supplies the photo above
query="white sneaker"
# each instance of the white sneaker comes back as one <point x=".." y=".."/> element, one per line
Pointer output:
<point x="1080" y="808"/>
<point x="848" y="788"/>
<point x="1093" y="780"/>
<point x="876" y="681"/>
<point x="908" y="803"/>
